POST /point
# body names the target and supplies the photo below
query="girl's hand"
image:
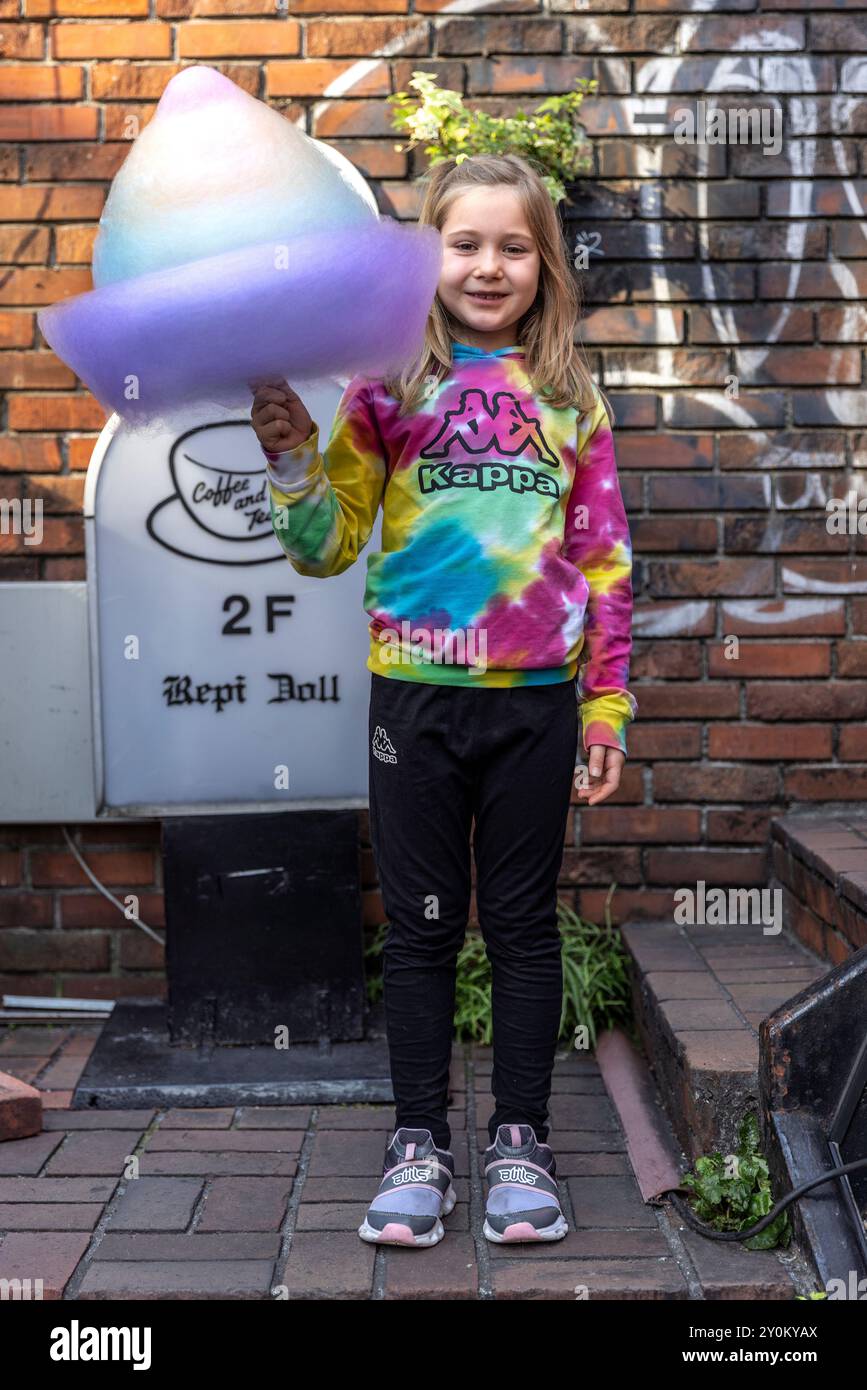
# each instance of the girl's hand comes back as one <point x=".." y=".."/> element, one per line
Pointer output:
<point x="605" y="766"/>
<point x="280" y="417"/>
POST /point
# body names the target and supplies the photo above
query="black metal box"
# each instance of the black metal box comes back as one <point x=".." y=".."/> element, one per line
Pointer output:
<point x="263" y="928"/>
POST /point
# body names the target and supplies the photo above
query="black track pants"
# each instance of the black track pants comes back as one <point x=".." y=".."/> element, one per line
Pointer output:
<point x="441" y="756"/>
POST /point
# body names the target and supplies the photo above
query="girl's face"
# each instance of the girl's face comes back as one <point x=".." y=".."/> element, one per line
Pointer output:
<point x="488" y="246"/>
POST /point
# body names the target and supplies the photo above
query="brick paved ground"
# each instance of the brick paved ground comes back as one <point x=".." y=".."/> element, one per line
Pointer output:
<point x="255" y="1202"/>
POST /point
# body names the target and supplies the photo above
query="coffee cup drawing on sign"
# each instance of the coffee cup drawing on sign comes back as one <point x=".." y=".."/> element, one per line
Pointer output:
<point x="219" y="511"/>
<point x="224" y="497"/>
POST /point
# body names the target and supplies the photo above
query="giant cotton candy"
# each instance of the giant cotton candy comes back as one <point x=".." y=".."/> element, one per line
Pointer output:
<point x="234" y="246"/>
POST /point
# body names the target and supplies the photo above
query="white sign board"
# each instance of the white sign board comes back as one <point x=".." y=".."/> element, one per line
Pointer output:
<point x="222" y="678"/>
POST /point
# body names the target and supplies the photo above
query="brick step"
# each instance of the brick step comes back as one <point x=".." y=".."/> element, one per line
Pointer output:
<point x="820" y="866"/>
<point x="702" y="986"/>
<point x="699" y="994"/>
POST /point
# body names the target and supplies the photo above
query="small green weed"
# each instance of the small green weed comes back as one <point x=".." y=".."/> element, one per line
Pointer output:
<point x="733" y="1192"/>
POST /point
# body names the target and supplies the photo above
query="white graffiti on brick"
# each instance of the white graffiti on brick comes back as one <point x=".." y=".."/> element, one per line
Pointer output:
<point x="807" y="582"/>
<point x="780" y="612"/>
<point x="671" y="621"/>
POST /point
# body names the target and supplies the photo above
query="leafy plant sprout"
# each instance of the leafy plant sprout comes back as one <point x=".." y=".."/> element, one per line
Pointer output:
<point x="550" y="138"/>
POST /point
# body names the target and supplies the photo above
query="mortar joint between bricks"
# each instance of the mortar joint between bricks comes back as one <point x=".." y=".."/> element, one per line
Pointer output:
<point x="647" y="785"/>
<point x="485" y="1290"/>
<point x="287" y="1228"/>
<point x="54" y="1055"/>
<point x="199" y="1206"/>
<point x="667" y="1220"/>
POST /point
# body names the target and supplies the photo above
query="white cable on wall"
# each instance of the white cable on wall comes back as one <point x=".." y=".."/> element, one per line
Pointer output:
<point x="105" y="892"/>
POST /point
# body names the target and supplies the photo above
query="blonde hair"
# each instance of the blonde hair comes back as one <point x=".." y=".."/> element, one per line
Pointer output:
<point x="554" y="363"/>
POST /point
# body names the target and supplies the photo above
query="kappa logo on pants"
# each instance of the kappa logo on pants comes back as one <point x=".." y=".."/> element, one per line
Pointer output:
<point x="382" y="746"/>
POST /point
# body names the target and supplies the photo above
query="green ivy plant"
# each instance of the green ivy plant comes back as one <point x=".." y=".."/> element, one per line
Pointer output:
<point x="550" y="138"/>
<point x="595" y="979"/>
<point x="730" y="1196"/>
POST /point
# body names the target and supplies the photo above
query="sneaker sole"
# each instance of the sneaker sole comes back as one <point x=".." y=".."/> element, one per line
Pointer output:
<point x="396" y="1233"/>
<point x="524" y="1231"/>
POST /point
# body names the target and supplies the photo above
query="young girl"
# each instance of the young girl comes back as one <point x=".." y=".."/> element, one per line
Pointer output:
<point x="506" y="554"/>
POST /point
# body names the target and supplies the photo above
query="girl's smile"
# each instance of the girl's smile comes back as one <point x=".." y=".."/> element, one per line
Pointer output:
<point x="481" y="297"/>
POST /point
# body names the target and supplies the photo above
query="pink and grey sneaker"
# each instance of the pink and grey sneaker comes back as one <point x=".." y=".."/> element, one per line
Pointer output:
<point x="416" y="1189"/>
<point x="523" y="1201"/>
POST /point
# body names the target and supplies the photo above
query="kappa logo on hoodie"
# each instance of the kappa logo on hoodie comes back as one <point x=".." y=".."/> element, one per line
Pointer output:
<point x="479" y="425"/>
<point x="383" y="747"/>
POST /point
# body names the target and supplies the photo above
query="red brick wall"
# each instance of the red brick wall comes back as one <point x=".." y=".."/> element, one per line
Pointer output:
<point x="711" y="265"/>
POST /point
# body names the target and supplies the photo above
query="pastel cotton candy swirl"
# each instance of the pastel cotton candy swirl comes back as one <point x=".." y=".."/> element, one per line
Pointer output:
<point x="233" y="246"/>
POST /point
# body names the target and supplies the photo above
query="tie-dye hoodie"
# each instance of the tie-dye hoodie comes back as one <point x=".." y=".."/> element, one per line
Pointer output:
<point x="506" y="552"/>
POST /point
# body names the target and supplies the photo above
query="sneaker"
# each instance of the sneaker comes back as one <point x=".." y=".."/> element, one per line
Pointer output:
<point x="416" y="1188"/>
<point x="523" y="1201"/>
